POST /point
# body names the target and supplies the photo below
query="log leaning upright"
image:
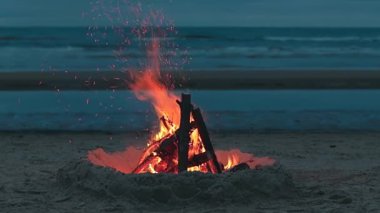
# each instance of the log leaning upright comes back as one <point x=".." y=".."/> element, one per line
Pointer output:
<point x="201" y="125"/>
<point x="184" y="132"/>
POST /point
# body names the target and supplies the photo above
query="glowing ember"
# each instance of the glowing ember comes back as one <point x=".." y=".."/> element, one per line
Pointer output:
<point x="161" y="153"/>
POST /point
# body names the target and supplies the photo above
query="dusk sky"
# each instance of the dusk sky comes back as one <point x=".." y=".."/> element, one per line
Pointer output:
<point x="311" y="13"/>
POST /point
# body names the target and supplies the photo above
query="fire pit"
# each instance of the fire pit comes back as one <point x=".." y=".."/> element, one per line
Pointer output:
<point x="213" y="176"/>
<point x="179" y="165"/>
<point x="189" y="188"/>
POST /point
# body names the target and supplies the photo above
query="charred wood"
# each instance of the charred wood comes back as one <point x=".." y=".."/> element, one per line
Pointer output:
<point x="239" y="167"/>
<point x="199" y="159"/>
<point x="184" y="132"/>
<point x="203" y="132"/>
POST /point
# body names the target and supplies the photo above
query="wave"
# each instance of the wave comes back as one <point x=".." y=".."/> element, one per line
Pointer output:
<point x="324" y="39"/>
<point x="4" y="49"/>
<point x="8" y="38"/>
<point x="282" y="52"/>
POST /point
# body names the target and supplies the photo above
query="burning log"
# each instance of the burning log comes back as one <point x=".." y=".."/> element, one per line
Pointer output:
<point x="199" y="159"/>
<point x="166" y="147"/>
<point x="184" y="132"/>
<point x="166" y="123"/>
<point x="239" y="167"/>
<point x="200" y="124"/>
<point x="142" y="166"/>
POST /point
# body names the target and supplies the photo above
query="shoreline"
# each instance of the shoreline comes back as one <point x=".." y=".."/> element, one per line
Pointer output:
<point x="199" y="80"/>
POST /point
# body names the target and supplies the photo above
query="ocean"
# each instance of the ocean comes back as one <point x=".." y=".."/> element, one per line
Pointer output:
<point x="224" y="111"/>
<point x="61" y="49"/>
<point x="196" y="49"/>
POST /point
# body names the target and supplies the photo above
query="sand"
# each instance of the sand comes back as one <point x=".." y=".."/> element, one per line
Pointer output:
<point x="196" y="79"/>
<point x="315" y="172"/>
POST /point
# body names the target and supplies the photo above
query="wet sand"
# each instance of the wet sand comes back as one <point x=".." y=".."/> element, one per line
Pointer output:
<point x="198" y="79"/>
<point x="334" y="172"/>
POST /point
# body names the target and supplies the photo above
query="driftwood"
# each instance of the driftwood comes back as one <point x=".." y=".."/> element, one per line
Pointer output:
<point x="184" y="132"/>
<point x="202" y="129"/>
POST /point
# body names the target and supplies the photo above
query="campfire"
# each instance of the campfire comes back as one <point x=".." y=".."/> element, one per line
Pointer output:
<point x="182" y="142"/>
<point x="186" y="148"/>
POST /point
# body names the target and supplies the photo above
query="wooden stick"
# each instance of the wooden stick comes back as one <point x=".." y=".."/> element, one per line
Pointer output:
<point x="184" y="132"/>
<point x="163" y="120"/>
<point x="166" y="147"/>
<point x="198" y="159"/>
<point x="202" y="129"/>
<point x="144" y="164"/>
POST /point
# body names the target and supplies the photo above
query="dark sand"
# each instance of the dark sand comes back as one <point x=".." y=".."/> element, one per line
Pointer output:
<point x="232" y="79"/>
<point x="335" y="172"/>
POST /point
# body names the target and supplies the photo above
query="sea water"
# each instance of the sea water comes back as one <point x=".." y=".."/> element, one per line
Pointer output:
<point x="246" y="110"/>
<point x="61" y="49"/>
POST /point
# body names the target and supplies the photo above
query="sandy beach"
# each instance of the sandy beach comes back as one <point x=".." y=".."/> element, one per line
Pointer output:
<point x="331" y="172"/>
<point x="282" y="97"/>
<point x="107" y="106"/>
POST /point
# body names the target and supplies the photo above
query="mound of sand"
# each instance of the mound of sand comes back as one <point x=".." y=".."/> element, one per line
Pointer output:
<point x="170" y="189"/>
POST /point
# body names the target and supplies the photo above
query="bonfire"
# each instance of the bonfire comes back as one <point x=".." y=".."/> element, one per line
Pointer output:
<point x="182" y="142"/>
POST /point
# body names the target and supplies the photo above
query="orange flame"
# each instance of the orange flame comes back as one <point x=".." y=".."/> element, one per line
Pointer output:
<point x="233" y="160"/>
<point x="147" y="86"/>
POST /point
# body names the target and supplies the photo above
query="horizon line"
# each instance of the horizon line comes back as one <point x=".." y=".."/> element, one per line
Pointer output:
<point x="188" y="26"/>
